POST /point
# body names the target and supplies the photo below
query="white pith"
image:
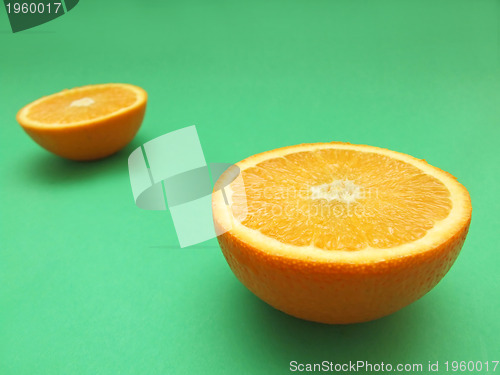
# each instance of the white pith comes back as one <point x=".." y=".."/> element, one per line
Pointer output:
<point x="345" y="191"/>
<point x="83" y="102"/>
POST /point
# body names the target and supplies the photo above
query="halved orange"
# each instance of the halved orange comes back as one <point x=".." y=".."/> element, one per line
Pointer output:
<point x="85" y="123"/>
<point x="339" y="233"/>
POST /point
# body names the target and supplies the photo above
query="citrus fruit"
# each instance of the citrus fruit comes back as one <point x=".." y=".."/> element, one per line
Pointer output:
<point x="85" y="123"/>
<point x="339" y="233"/>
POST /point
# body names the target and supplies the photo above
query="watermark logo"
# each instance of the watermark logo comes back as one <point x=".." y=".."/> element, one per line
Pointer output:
<point x="27" y="14"/>
<point x="341" y="198"/>
<point x="171" y="171"/>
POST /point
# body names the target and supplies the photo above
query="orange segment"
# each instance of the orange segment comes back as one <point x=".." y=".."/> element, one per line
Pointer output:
<point x="87" y="122"/>
<point x="340" y="233"/>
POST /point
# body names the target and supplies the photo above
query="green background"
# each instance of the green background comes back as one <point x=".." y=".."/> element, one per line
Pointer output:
<point x="90" y="284"/>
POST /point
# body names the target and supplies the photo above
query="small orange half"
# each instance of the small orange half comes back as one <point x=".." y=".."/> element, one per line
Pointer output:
<point x="85" y="123"/>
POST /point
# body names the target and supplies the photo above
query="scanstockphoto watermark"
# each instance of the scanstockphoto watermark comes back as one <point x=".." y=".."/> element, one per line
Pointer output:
<point x="344" y="191"/>
<point x="311" y="210"/>
<point x="170" y="173"/>
<point x="434" y="367"/>
<point x="334" y="201"/>
<point x="355" y="366"/>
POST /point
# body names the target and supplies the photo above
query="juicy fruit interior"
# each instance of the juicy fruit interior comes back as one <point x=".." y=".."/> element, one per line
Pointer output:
<point x="338" y="199"/>
<point x="81" y="105"/>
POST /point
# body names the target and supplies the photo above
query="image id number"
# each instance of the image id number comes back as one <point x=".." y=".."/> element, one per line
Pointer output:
<point x="32" y="8"/>
<point x="471" y="366"/>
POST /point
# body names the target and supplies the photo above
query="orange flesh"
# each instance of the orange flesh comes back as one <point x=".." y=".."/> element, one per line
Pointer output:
<point x="88" y="104"/>
<point x="338" y="199"/>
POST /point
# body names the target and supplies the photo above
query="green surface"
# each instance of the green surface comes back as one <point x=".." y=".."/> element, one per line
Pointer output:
<point x="90" y="284"/>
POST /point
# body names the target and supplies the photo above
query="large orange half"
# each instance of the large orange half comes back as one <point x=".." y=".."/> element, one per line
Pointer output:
<point x="339" y="233"/>
<point x="85" y="123"/>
